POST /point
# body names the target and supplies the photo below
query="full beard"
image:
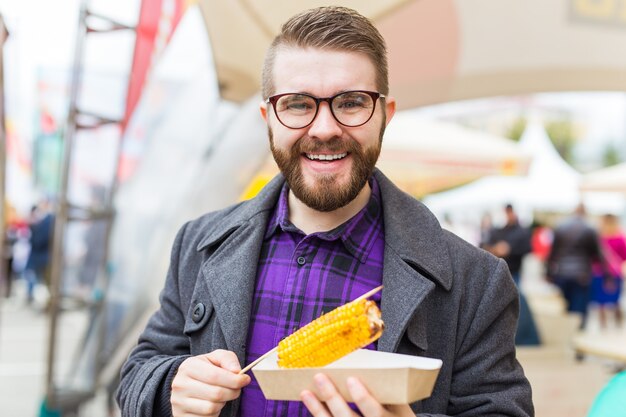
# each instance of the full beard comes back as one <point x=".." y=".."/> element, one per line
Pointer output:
<point x="327" y="194"/>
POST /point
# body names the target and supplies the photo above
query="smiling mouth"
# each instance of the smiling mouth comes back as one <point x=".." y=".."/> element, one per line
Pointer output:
<point x="319" y="157"/>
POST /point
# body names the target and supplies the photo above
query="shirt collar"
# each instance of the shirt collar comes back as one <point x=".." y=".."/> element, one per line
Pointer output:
<point x="280" y="216"/>
<point x="358" y="234"/>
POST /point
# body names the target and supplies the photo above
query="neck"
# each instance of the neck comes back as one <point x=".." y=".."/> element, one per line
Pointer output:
<point x="311" y="221"/>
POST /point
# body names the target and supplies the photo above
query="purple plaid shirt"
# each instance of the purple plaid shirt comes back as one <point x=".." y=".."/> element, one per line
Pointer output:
<point x="301" y="277"/>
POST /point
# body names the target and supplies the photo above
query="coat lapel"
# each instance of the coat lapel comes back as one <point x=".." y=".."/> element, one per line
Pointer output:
<point x="230" y="271"/>
<point x="404" y="290"/>
<point x="230" y="275"/>
<point x="416" y="261"/>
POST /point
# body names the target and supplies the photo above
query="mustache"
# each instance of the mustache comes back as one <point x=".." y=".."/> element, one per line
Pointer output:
<point x="335" y="144"/>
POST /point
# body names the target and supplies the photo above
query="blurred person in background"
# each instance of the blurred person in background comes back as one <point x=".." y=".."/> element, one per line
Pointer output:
<point x="13" y="224"/>
<point x="41" y="224"/>
<point x="575" y="246"/>
<point x="511" y="243"/>
<point x="540" y="241"/>
<point x="326" y="230"/>
<point x="606" y="293"/>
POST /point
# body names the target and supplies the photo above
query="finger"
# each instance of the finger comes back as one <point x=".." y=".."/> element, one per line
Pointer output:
<point x="225" y="359"/>
<point x="315" y="407"/>
<point x="201" y="368"/>
<point x="195" y="415"/>
<point x="328" y="393"/>
<point x="197" y="378"/>
<point x="367" y="404"/>
<point x="219" y="394"/>
<point x="192" y="415"/>
<point x="228" y="361"/>
<point x="203" y="391"/>
<point x="223" y="378"/>
<point x="196" y="407"/>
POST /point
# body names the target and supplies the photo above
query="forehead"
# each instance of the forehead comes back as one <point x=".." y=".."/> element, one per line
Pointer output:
<point x="322" y="72"/>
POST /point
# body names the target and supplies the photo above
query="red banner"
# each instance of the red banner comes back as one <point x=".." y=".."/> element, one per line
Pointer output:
<point x="157" y="21"/>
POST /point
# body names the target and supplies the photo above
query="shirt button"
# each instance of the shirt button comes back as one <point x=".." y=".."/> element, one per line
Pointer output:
<point x="301" y="261"/>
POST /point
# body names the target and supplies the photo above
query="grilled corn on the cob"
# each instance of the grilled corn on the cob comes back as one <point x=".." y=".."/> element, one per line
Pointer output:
<point x="331" y="336"/>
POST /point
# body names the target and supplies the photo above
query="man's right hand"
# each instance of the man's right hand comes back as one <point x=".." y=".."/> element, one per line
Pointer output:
<point x="204" y="383"/>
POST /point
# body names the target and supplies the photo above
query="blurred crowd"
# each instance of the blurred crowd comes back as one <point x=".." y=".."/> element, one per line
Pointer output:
<point x="27" y="260"/>
<point x="28" y="242"/>
<point x="583" y="256"/>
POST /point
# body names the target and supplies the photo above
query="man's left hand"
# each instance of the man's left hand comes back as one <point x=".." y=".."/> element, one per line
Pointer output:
<point x="331" y="404"/>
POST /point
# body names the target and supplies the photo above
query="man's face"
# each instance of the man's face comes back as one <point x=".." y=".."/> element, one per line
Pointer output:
<point x="348" y="153"/>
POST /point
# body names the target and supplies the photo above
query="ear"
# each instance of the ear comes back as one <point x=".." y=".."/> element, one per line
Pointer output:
<point x="263" y="108"/>
<point x="390" y="108"/>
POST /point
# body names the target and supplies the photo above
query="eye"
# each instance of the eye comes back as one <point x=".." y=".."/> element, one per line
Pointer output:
<point x="352" y="101"/>
<point x="296" y="103"/>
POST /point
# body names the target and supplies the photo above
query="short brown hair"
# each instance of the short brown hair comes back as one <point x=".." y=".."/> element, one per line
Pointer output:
<point x="338" y="28"/>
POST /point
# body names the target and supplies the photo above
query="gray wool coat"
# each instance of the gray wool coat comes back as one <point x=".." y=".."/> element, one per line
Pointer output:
<point x="442" y="298"/>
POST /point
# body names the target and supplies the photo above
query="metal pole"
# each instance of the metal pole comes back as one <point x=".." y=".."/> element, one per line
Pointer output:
<point x="62" y="209"/>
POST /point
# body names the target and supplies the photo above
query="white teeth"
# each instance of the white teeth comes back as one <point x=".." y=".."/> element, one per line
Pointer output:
<point x="326" y="157"/>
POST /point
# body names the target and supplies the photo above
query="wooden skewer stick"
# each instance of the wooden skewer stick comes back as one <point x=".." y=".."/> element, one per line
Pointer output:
<point x="266" y="354"/>
<point x="370" y="293"/>
<point x="257" y="360"/>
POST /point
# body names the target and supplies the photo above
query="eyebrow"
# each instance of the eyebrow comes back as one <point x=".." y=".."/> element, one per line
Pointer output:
<point x="332" y="95"/>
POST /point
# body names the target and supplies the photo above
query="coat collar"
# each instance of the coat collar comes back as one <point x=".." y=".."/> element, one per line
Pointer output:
<point x="418" y="240"/>
<point x="414" y="233"/>
<point x="240" y="214"/>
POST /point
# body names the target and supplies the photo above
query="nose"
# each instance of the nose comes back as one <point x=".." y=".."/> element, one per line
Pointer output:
<point x="325" y="126"/>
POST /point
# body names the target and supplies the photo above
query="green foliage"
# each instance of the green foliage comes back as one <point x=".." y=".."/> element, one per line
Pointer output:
<point x="563" y="136"/>
<point x="562" y="133"/>
<point x="611" y="155"/>
<point x="517" y="129"/>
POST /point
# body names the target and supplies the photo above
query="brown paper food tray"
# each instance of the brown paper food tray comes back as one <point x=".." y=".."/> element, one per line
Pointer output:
<point x="391" y="378"/>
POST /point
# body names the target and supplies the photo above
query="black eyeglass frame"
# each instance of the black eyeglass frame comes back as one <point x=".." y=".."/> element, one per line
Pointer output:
<point x="373" y="94"/>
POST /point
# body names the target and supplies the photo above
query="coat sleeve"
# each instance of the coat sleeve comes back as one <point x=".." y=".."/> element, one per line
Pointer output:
<point x="145" y="385"/>
<point x="487" y="379"/>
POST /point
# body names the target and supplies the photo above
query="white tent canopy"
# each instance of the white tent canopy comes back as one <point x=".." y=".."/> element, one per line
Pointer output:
<point x="426" y="155"/>
<point x="429" y="142"/>
<point x="550" y="186"/>
<point x="606" y="179"/>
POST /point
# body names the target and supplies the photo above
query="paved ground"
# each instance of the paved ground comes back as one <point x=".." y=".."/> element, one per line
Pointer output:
<point x="23" y="354"/>
<point x="562" y="386"/>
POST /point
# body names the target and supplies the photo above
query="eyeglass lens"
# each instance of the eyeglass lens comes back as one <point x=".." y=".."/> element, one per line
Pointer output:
<point x="352" y="108"/>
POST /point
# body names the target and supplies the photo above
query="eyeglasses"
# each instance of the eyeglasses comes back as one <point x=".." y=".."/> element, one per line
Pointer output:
<point x="350" y="108"/>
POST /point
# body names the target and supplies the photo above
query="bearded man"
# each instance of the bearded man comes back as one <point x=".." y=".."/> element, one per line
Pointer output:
<point x="329" y="228"/>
